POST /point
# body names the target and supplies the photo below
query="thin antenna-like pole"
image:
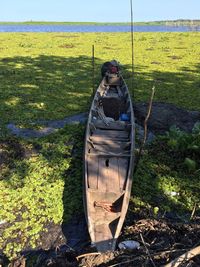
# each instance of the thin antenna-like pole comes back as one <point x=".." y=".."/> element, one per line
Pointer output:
<point x="132" y="48"/>
<point x="93" y="89"/>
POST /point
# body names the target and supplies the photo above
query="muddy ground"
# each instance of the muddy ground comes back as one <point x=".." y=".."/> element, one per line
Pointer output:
<point x="161" y="240"/>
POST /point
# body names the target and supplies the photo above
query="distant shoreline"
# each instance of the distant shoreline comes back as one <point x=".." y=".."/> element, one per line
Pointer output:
<point x="151" y="23"/>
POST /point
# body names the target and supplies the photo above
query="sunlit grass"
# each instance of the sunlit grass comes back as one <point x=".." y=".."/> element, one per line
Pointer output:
<point x="46" y="67"/>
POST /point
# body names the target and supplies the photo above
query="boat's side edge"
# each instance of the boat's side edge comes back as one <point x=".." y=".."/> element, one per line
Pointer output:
<point x="85" y="171"/>
<point x="130" y="172"/>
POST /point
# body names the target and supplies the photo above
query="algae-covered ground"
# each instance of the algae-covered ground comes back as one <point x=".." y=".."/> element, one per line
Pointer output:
<point x="47" y="76"/>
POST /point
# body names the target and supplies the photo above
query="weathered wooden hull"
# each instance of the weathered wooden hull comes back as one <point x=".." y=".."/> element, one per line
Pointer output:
<point x="108" y="163"/>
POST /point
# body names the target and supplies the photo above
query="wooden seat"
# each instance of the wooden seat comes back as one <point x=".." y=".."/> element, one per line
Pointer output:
<point x="99" y="135"/>
<point x="113" y="148"/>
<point x="101" y="139"/>
<point x="116" y="125"/>
<point x="108" y="142"/>
<point x="111" y="133"/>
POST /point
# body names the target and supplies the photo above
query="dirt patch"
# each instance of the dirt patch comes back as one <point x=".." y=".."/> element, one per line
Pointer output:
<point x="180" y="48"/>
<point x="108" y="48"/>
<point x="175" y="57"/>
<point x="155" y="63"/>
<point x="67" y="46"/>
<point x="164" y="115"/>
<point x="10" y="151"/>
<point x="5" y="59"/>
<point x="52" y="237"/>
<point x="48" y="126"/>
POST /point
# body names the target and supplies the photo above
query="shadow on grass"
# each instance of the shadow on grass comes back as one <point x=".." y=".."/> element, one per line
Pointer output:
<point x="74" y="224"/>
<point x="45" y="87"/>
<point x="53" y="87"/>
<point x="11" y="151"/>
<point x="181" y="88"/>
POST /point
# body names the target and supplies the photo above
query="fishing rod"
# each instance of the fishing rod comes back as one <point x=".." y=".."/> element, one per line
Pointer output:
<point x="132" y="49"/>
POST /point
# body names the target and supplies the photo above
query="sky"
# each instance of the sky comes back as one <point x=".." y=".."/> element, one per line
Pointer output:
<point x="98" y="11"/>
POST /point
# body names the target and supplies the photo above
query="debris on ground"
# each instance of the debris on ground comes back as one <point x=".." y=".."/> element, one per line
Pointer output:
<point x="159" y="242"/>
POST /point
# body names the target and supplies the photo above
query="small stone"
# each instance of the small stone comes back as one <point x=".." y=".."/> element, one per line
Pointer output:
<point x="129" y="245"/>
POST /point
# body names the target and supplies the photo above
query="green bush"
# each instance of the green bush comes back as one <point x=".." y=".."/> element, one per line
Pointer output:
<point x="168" y="176"/>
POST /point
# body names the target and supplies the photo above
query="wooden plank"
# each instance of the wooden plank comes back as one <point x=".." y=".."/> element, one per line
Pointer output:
<point x="106" y="217"/>
<point x="111" y="133"/>
<point x="102" y="233"/>
<point x="123" y="168"/>
<point x="100" y="139"/>
<point x="111" y="142"/>
<point x="113" y="175"/>
<point x="93" y="169"/>
<point x="108" y="175"/>
<point x="102" y="175"/>
<point x="115" y="148"/>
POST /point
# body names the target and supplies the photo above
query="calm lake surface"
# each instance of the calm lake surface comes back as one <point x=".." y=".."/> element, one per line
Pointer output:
<point x="94" y="28"/>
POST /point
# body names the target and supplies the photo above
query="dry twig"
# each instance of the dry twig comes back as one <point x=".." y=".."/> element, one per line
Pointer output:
<point x="147" y="251"/>
<point x="88" y="254"/>
<point x="125" y="262"/>
<point x="193" y="211"/>
<point x="145" y="128"/>
<point x="184" y="257"/>
<point x="148" y="115"/>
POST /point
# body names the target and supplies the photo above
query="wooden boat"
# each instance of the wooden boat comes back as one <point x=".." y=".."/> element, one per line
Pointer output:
<point x="108" y="159"/>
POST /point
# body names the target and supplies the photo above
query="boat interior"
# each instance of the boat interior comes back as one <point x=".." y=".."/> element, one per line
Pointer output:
<point x="108" y="154"/>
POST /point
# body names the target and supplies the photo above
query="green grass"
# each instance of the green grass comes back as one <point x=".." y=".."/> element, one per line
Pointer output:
<point x="49" y="76"/>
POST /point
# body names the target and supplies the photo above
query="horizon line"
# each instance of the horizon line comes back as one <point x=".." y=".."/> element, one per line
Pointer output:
<point x="59" y="21"/>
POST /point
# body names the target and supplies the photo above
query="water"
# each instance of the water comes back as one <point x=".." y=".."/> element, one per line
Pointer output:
<point x="94" y="28"/>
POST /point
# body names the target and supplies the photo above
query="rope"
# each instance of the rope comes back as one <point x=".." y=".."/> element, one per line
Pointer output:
<point x="105" y="205"/>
